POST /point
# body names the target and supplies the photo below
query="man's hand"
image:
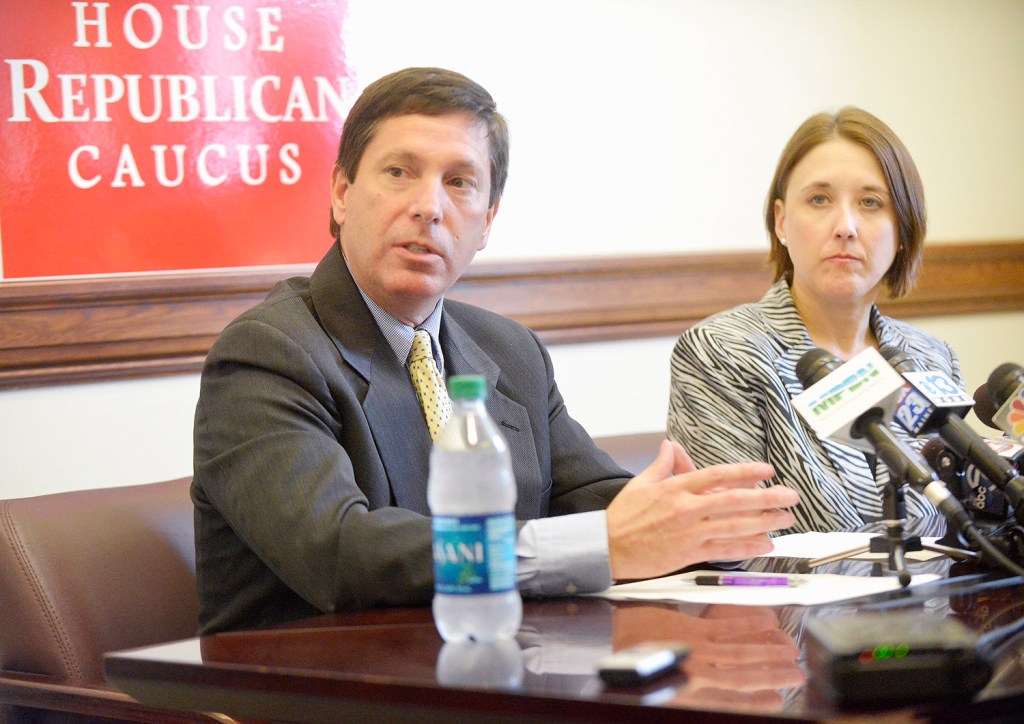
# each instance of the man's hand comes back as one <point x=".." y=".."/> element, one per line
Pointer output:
<point x="672" y="515"/>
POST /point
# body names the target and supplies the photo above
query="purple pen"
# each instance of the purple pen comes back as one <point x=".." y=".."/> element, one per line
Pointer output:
<point x="744" y="581"/>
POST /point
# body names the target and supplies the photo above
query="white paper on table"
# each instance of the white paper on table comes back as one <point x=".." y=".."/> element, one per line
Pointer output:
<point x="820" y="545"/>
<point x="814" y="588"/>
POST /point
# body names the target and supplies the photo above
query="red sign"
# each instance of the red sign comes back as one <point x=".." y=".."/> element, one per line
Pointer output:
<point x="167" y="135"/>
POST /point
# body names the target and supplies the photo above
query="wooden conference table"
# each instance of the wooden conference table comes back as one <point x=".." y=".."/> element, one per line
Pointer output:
<point x="747" y="663"/>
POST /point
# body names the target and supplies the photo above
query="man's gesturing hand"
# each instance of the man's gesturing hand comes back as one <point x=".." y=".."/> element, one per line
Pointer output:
<point x="672" y="515"/>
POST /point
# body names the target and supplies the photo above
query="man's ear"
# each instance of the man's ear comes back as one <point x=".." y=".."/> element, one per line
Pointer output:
<point x="339" y="188"/>
<point x="491" y="213"/>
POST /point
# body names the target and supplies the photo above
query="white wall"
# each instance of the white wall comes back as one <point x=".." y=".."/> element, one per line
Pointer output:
<point x="638" y="126"/>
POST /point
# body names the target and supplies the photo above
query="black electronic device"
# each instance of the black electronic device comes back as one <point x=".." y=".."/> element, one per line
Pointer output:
<point x="891" y="658"/>
<point x="641" y="663"/>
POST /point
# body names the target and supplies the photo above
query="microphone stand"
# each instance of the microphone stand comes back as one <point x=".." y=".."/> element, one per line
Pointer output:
<point x="892" y="542"/>
<point x="894" y="509"/>
<point x="903" y="469"/>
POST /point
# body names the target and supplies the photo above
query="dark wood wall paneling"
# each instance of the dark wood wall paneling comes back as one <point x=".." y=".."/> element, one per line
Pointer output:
<point x="59" y="331"/>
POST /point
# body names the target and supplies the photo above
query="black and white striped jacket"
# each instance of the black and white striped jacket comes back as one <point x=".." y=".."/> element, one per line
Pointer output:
<point x="733" y="383"/>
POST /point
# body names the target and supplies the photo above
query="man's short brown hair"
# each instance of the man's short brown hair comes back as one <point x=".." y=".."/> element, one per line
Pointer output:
<point x="424" y="91"/>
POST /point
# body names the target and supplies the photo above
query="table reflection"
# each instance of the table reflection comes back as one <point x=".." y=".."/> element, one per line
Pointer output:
<point x="740" y="656"/>
<point x="483" y="664"/>
<point x="743" y="659"/>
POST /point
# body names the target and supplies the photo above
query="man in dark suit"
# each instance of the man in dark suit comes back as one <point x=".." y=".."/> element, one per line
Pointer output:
<point x="311" y="452"/>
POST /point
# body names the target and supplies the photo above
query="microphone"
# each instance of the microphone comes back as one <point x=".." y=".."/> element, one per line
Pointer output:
<point x="1006" y="386"/>
<point x="933" y="403"/>
<point x="984" y="408"/>
<point x="946" y="463"/>
<point x="978" y="494"/>
<point x="828" y="378"/>
<point x="851" y="402"/>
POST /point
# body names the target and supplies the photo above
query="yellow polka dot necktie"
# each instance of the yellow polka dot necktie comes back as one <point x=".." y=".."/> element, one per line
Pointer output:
<point x="433" y="397"/>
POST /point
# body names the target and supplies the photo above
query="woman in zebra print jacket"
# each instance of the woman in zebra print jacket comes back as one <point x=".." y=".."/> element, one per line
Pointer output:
<point x="845" y="215"/>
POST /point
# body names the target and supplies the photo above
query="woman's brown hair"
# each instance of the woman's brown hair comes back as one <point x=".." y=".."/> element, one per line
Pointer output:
<point x="905" y="188"/>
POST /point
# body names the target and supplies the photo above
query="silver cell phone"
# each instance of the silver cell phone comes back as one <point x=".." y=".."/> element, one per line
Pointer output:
<point x="641" y="663"/>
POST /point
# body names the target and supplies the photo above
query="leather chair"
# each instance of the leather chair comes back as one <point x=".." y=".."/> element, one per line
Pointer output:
<point x="83" y="573"/>
<point x="634" y="451"/>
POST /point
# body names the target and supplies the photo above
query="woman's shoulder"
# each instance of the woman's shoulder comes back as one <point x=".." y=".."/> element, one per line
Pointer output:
<point x="738" y="323"/>
<point x="747" y="324"/>
<point x="737" y="338"/>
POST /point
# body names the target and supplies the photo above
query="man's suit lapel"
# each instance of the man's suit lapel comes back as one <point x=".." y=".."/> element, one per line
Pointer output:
<point x="398" y="427"/>
<point x="463" y="356"/>
<point x="392" y="411"/>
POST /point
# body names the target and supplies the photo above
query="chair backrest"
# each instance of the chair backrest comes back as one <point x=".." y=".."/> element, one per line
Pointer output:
<point x="633" y="451"/>
<point x="91" y="571"/>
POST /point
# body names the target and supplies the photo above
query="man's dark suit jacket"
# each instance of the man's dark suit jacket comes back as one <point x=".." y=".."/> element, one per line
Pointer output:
<point x="311" y="453"/>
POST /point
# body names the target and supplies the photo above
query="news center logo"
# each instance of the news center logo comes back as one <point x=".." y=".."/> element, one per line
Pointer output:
<point x="924" y="393"/>
<point x="981" y="494"/>
<point x="975" y="490"/>
<point x="852" y="383"/>
<point x="1010" y="416"/>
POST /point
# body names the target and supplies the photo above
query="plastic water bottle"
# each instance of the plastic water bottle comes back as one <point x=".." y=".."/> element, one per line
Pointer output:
<point x="472" y="496"/>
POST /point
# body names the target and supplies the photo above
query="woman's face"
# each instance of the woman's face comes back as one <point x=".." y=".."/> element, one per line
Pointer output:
<point x="839" y="224"/>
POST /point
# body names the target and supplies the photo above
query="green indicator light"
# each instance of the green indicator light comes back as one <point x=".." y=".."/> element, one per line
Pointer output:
<point x="883" y="651"/>
<point x="902" y="650"/>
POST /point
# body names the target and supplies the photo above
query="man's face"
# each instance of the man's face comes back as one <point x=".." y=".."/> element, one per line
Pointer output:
<point x="417" y="214"/>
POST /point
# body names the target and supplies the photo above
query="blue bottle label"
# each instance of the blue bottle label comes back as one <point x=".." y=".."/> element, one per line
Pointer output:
<point x="474" y="554"/>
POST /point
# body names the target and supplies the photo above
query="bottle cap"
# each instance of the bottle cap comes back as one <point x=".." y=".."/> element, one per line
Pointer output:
<point x="467" y="387"/>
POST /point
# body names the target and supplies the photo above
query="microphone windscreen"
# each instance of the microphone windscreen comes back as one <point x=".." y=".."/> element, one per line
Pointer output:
<point x="900" y="360"/>
<point x="1004" y="382"/>
<point x="984" y="407"/>
<point x="814" y="365"/>
<point x="943" y="461"/>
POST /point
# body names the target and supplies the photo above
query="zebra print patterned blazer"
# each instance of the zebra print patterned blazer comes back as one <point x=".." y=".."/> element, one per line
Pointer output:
<point x="733" y="383"/>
